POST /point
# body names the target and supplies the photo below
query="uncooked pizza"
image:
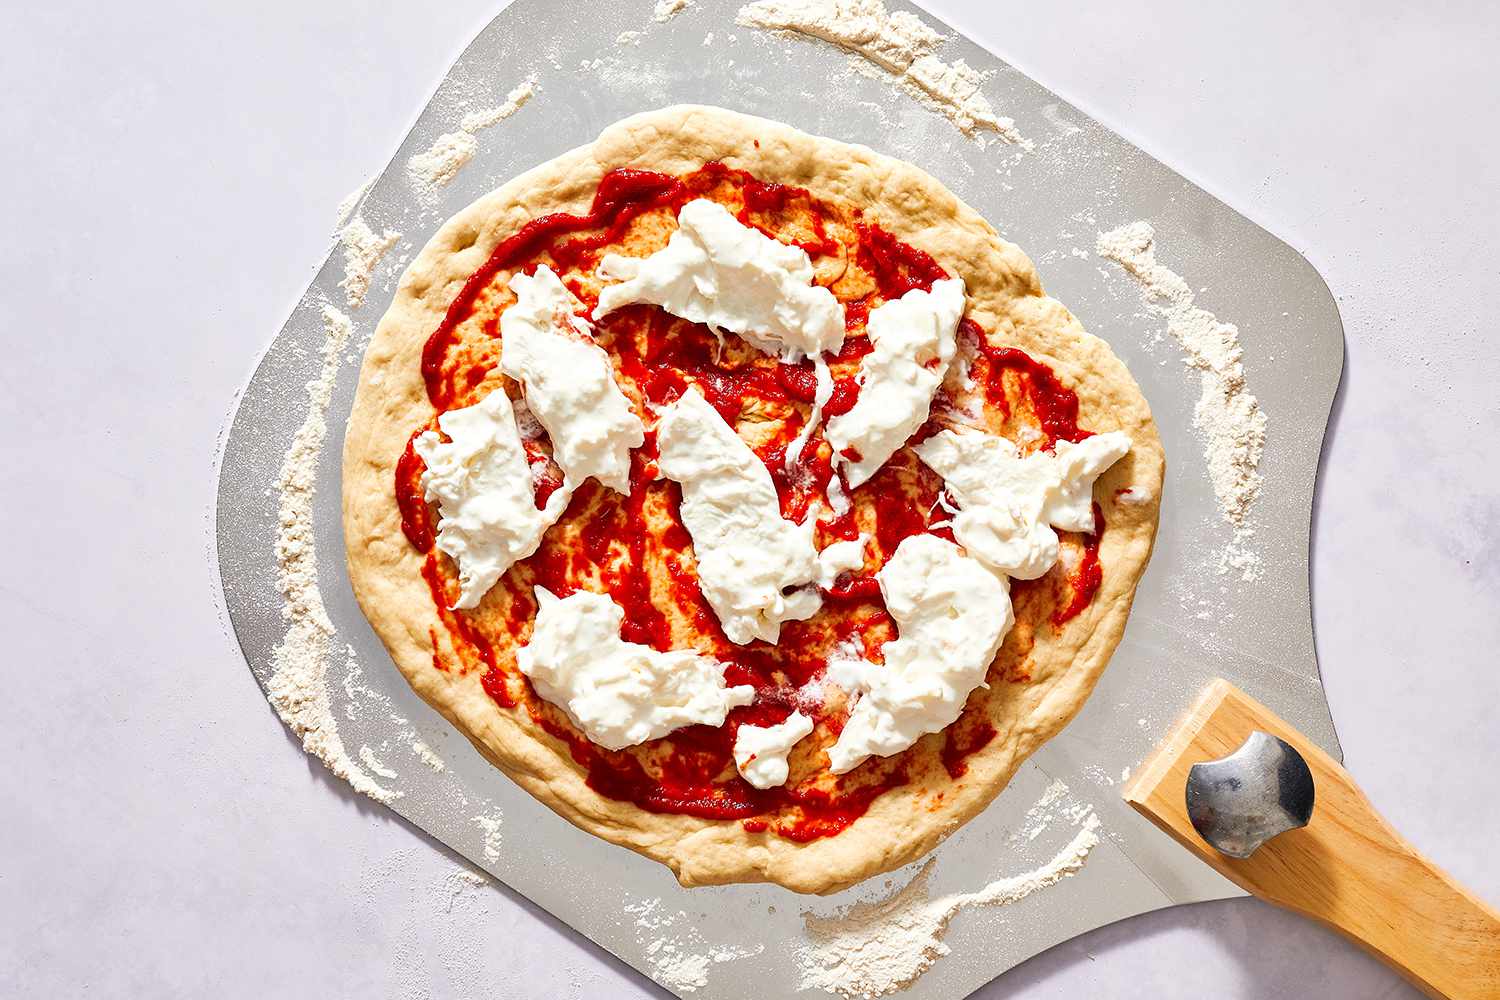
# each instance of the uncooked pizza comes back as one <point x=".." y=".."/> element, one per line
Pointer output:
<point x="740" y="495"/>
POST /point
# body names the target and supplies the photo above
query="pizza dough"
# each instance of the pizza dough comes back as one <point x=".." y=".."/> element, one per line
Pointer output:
<point x="465" y="666"/>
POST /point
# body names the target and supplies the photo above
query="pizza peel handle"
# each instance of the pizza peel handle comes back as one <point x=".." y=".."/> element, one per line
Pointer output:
<point x="1346" y="867"/>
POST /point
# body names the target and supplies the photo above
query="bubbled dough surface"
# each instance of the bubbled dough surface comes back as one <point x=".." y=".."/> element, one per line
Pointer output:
<point x="1005" y="298"/>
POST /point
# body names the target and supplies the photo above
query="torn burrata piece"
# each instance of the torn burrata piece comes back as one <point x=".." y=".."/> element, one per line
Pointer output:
<point x="754" y="566"/>
<point x="760" y="752"/>
<point x="619" y="693"/>
<point x="914" y="342"/>
<point x="952" y="615"/>
<point x="1009" y="504"/>
<point x="481" y="482"/>
<point x="569" y="382"/>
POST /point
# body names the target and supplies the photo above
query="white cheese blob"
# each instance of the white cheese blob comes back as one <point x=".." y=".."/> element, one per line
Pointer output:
<point x="841" y="557"/>
<point x="847" y="667"/>
<point x="914" y="341"/>
<point x="1008" y="504"/>
<point x="760" y="751"/>
<point x="479" y="477"/>
<point x="750" y="560"/>
<point x="838" y="497"/>
<point x="569" y="381"/>
<point x="729" y="276"/>
<point x="952" y="614"/>
<point x="619" y="693"/>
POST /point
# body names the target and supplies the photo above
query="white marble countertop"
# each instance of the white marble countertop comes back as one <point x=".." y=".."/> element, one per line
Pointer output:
<point x="170" y="176"/>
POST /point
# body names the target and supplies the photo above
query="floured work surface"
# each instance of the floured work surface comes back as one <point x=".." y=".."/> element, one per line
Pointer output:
<point x="1226" y="593"/>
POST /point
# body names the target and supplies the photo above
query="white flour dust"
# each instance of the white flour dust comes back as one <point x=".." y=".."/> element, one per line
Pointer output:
<point x="680" y="956"/>
<point x="363" y="248"/>
<point x="1041" y="813"/>
<point x="368" y="758"/>
<point x="436" y="922"/>
<point x="876" y="948"/>
<point x="428" y="756"/>
<point x="1227" y="415"/>
<point x="489" y="824"/>
<point x="452" y="151"/>
<point x="298" y="687"/>
<point x="901" y="45"/>
<point x="346" y="207"/>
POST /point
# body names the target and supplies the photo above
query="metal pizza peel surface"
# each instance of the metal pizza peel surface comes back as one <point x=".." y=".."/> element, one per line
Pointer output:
<point x="1190" y="622"/>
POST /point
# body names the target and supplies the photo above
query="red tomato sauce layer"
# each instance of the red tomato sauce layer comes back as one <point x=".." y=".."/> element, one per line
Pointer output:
<point x="634" y="547"/>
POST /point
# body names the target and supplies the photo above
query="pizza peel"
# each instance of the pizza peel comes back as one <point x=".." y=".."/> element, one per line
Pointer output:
<point x="1190" y="622"/>
<point x="1266" y="808"/>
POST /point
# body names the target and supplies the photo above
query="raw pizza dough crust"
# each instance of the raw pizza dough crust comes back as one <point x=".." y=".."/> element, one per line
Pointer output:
<point x="1005" y="298"/>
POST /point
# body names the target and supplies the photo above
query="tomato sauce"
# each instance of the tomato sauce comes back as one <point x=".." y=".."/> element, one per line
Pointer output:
<point x="416" y="515"/>
<point x="602" y="541"/>
<point x="1086" y="577"/>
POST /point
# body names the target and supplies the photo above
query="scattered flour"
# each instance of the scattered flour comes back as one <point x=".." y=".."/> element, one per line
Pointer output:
<point x="1227" y="415"/>
<point x="363" y="248"/>
<point x="1040" y="815"/>
<point x="442" y="161"/>
<point x="901" y="45"/>
<point x="368" y="758"/>
<point x="459" y="883"/>
<point x="876" y="948"/>
<point x="668" y="9"/>
<point x="628" y="38"/>
<point x="428" y="756"/>
<point x="452" y="151"/>
<point x="680" y="956"/>
<point x="493" y="840"/>
<point x="298" y="687"/>
<point x="436" y="922"/>
<point x="346" y="207"/>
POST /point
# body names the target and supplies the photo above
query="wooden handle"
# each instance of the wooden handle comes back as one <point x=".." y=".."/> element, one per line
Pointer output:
<point x="1346" y="868"/>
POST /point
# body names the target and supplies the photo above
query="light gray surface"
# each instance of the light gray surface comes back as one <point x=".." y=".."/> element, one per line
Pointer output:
<point x="1188" y="625"/>
<point x="176" y="191"/>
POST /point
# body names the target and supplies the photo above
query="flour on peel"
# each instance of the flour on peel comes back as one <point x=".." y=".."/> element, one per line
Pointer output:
<point x="490" y="826"/>
<point x="363" y="249"/>
<point x="876" y="948"/>
<point x="434" y="167"/>
<point x="665" y="10"/>
<point x="347" y="206"/>
<point x="298" y="686"/>
<point x="681" y="958"/>
<point x="1228" y="416"/>
<point x="368" y="758"/>
<point x="428" y="756"/>
<point x="901" y="45"/>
